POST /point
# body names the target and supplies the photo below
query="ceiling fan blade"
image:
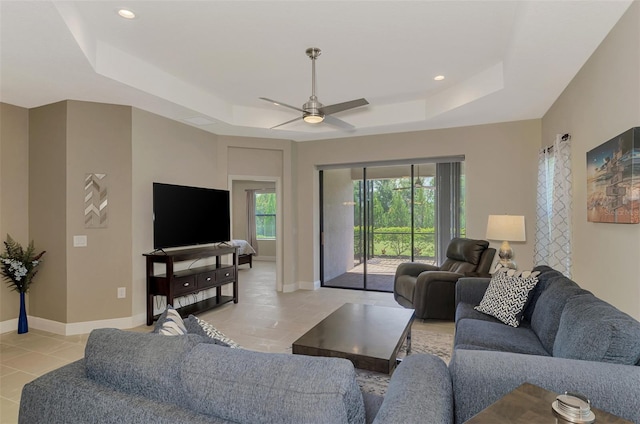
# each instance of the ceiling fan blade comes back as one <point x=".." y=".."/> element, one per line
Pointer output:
<point x="288" y="122"/>
<point x="331" y="120"/>
<point x="277" y="103"/>
<point x="339" y="107"/>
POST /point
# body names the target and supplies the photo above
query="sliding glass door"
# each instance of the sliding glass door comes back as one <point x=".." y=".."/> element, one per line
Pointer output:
<point x="343" y="229"/>
<point x="374" y="218"/>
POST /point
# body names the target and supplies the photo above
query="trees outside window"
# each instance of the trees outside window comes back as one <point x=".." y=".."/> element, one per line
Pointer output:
<point x="265" y="216"/>
<point x="390" y="222"/>
<point x="391" y="226"/>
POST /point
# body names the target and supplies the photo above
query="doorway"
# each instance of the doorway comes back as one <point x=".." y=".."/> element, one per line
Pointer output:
<point x="269" y="239"/>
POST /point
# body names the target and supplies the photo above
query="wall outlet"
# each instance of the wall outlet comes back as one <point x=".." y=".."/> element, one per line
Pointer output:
<point x="122" y="292"/>
<point x="79" y="241"/>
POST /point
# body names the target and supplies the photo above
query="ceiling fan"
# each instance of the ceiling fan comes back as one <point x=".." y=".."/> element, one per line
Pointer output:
<point x="418" y="183"/>
<point x="314" y="112"/>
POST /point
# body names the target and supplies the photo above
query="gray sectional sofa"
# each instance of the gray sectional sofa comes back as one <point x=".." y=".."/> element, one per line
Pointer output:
<point x="568" y="340"/>
<point x="129" y="377"/>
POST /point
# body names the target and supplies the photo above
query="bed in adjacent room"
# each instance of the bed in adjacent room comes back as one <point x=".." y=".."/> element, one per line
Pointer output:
<point x="245" y="252"/>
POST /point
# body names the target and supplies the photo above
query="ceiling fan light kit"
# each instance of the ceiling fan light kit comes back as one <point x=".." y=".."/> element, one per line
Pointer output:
<point x="314" y="112"/>
<point x="313" y="119"/>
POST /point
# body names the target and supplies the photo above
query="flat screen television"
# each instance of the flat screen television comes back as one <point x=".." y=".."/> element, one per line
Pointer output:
<point x="186" y="216"/>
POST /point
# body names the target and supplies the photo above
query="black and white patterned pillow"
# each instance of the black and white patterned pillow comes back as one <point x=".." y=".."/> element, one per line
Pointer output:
<point x="214" y="333"/>
<point x="507" y="295"/>
<point x="172" y="324"/>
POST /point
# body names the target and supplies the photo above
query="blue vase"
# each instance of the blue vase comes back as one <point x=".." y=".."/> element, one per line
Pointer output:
<point x="23" y="325"/>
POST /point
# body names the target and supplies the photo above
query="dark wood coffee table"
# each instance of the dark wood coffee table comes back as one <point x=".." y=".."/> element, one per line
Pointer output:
<point x="369" y="336"/>
<point x="531" y="404"/>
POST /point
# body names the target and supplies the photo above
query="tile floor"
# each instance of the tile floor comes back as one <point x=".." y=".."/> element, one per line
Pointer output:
<point x="263" y="320"/>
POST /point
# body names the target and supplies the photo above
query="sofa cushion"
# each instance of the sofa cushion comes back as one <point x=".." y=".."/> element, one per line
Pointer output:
<point x="484" y="335"/>
<point x="481" y="378"/>
<point x="507" y="294"/>
<point x="67" y="396"/>
<point x="470" y="290"/>
<point x="468" y="311"/>
<point x="546" y="316"/>
<point x="137" y="363"/>
<point x="545" y="278"/>
<point x="593" y="330"/>
<point x="419" y="392"/>
<point x="254" y="387"/>
<point x="372" y="403"/>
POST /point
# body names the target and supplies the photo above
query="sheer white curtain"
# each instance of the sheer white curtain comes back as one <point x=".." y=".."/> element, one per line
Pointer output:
<point x="554" y="206"/>
<point x="252" y="237"/>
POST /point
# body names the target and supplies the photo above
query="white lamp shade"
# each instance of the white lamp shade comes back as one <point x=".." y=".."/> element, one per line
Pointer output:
<point x="506" y="228"/>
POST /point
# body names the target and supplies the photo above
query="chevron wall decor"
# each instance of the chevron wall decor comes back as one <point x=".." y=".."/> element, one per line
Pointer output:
<point x="95" y="201"/>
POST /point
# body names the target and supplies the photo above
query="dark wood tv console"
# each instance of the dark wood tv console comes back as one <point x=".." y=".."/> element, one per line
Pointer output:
<point x="172" y="284"/>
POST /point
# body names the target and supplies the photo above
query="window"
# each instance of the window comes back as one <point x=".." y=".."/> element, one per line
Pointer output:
<point x="265" y="216"/>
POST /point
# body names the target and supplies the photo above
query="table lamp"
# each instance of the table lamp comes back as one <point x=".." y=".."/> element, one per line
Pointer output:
<point x="506" y="228"/>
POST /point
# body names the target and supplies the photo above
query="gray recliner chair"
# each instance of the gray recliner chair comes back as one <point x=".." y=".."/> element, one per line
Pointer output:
<point x="430" y="290"/>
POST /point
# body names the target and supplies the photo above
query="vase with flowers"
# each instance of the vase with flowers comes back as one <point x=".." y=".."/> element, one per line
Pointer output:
<point x="19" y="266"/>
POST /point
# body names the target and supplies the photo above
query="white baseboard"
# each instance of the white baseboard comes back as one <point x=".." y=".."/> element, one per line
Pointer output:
<point x="74" y="328"/>
<point x="51" y="326"/>
<point x="9" y="325"/>
<point x="289" y="288"/>
<point x="265" y="258"/>
<point x="309" y="285"/>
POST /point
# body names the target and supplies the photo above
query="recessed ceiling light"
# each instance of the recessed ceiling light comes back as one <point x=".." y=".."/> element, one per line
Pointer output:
<point x="439" y="78"/>
<point x="126" y="13"/>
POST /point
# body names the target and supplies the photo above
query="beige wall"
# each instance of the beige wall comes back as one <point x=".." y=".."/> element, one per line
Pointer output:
<point x="98" y="142"/>
<point x="266" y="248"/>
<point x="67" y="141"/>
<point x="170" y="152"/>
<point x="242" y="157"/>
<point x="602" y="101"/>
<point x="14" y="192"/>
<point x="254" y="161"/>
<point x="500" y="167"/>
<point x="338" y="214"/>
<point x="48" y="208"/>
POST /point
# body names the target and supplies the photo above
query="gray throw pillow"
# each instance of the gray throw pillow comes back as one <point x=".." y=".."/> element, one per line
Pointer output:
<point x="592" y="330"/>
<point x="173" y="325"/>
<point x="545" y="319"/>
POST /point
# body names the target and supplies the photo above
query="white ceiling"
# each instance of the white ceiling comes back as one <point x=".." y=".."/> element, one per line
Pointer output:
<point x="503" y="60"/>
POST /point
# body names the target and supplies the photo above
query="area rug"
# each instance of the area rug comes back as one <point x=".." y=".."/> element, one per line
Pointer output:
<point x="422" y="341"/>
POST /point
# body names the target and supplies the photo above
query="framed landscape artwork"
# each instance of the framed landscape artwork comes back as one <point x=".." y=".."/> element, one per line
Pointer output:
<point x="613" y="180"/>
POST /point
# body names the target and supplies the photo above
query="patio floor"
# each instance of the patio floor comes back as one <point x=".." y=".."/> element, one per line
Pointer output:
<point x="380" y="273"/>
